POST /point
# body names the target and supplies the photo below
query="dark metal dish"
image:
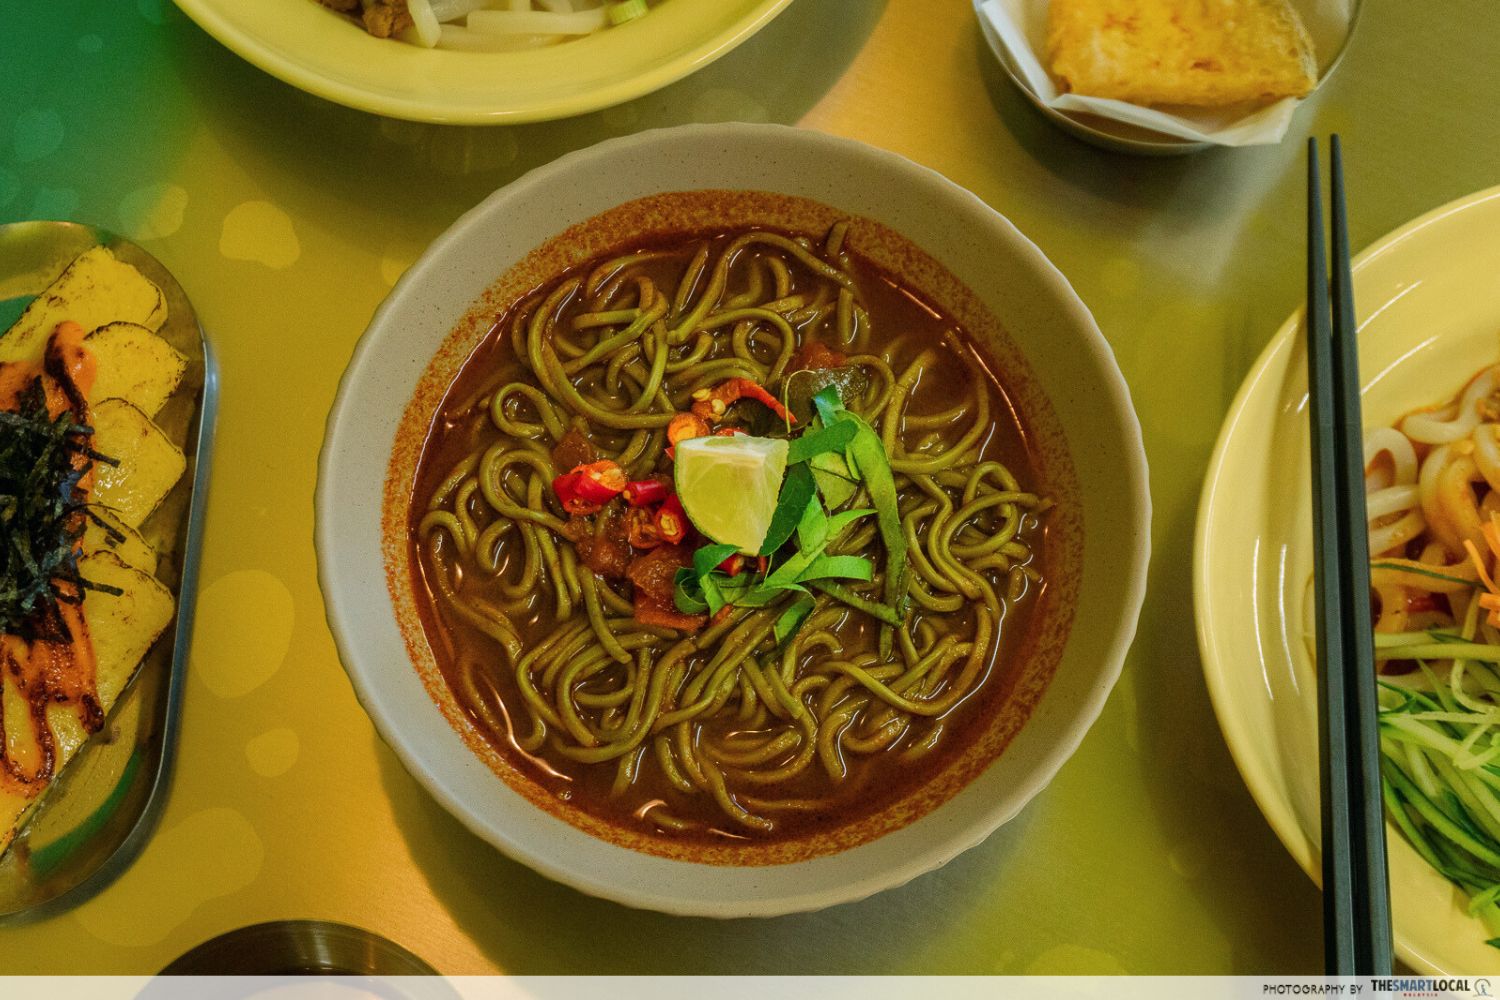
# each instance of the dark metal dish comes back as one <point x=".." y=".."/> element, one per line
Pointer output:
<point x="297" y="948"/>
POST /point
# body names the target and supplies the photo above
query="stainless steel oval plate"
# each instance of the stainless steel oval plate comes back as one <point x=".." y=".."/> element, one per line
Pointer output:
<point x="102" y="807"/>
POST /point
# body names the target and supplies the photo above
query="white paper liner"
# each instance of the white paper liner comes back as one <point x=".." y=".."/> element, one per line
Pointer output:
<point x="1022" y="29"/>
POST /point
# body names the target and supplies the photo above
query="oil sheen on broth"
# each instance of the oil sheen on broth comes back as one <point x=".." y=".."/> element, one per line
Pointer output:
<point x="801" y="743"/>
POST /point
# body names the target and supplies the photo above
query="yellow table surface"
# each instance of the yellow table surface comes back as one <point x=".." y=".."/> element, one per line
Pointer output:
<point x="287" y="219"/>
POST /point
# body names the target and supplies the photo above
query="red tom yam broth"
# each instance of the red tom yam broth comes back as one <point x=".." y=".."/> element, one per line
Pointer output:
<point x="690" y="730"/>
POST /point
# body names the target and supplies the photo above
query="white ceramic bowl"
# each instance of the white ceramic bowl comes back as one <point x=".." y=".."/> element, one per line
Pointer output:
<point x="1429" y="319"/>
<point x="1049" y="331"/>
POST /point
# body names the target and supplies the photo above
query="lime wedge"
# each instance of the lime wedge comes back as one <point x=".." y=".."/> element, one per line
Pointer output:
<point x="728" y="486"/>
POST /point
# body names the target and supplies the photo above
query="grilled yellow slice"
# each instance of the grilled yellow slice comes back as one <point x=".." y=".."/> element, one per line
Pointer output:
<point x="95" y="290"/>
<point x="55" y="694"/>
<point x="135" y="365"/>
<point x="118" y="538"/>
<point x="1208" y="53"/>
<point x="149" y="464"/>
<point x="122" y="628"/>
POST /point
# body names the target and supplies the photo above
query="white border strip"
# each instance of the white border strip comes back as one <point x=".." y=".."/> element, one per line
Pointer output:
<point x="748" y="987"/>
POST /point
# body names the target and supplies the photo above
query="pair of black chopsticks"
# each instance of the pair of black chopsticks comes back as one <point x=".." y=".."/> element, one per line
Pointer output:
<point x="1356" y="890"/>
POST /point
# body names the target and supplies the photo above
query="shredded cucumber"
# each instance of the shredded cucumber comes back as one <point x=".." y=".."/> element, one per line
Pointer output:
<point x="1441" y="782"/>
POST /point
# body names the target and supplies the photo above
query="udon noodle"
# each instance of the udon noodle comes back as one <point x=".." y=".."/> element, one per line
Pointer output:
<point x="1432" y="484"/>
<point x="1434" y="500"/>
<point x="721" y="729"/>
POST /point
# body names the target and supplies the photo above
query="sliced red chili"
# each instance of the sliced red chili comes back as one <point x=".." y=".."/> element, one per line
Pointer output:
<point x="645" y="492"/>
<point x="601" y="481"/>
<point x="757" y="393"/>
<point x="712" y="404"/>
<point x="684" y="426"/>
<point x="587" y="488"/>
<point x="671" y="520"/>
<point x="732" y="565"/>
<point x="640" y="528"/>
<point x="566" y="488"/>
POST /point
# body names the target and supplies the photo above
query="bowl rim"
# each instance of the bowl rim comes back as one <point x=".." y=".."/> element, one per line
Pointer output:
<point x="267" y="58"/>
<point x="1262" y="785"/>
<point x="1084" y="709"/>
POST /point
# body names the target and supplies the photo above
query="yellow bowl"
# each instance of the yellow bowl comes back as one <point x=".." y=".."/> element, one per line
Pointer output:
<point x="324" y="53"/>
<point x="1428" y="320"/>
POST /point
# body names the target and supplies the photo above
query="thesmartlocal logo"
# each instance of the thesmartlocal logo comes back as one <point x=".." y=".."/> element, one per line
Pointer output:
<point x="1426" y="987"/>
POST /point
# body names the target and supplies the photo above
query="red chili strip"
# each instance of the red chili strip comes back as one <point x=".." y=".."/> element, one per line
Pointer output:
<point x="684" y="426"/>
<point x="587" y="488"/>
<point x="602" y="481"/>
<point x="712" y="404"/>
<point x="754" y="391"/>
<point x="640" y="528"/>
<point x="671" y="520"/>
<point x="566" y="488"/>
<point x="646" y="492"/>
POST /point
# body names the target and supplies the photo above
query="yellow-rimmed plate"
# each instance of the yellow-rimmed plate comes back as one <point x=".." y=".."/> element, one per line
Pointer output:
<point x="324" y="53"/>
<point x="1429" y="318"/>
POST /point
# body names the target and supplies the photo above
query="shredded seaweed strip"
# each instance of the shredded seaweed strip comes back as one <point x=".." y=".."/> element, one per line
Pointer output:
<point x="41" y="509"/>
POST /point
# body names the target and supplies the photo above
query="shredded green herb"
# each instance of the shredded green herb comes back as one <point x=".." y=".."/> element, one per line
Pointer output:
<point x="867" y="459"/>
<point x="40" y="509"/>
<point x="836" y="455"/>
<point x="797" y="488"/>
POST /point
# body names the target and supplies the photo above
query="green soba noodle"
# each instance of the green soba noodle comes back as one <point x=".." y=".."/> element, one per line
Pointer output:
<point x="725" y="714"/>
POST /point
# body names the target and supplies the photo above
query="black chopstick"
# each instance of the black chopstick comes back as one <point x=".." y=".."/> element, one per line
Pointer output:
<point x="1356" y="891"/>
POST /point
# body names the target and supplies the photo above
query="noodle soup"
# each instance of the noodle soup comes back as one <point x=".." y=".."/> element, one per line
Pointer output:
<point x="761" y="706"/>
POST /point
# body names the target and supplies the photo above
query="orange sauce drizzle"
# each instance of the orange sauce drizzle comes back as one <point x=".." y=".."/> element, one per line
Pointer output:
<point x="57" y="666"/>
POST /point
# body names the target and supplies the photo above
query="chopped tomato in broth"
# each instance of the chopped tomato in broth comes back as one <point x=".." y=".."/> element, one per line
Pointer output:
<point x="572" y="451"/>
<point x="655" y="573"/>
